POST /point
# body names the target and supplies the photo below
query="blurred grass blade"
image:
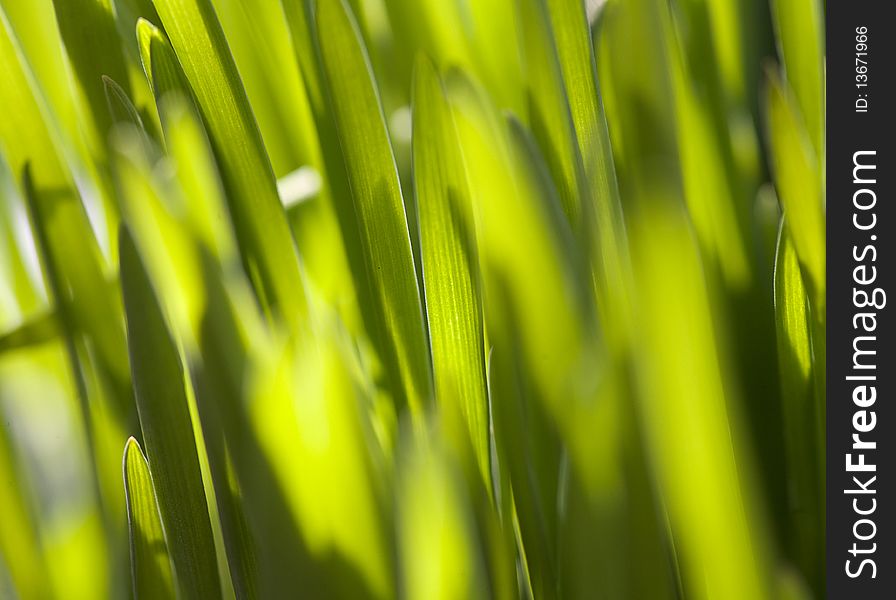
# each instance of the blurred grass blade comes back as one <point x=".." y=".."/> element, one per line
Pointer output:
<point x="168" y="431"/>
<point x="604" y="212"/>
<point x="450" y="262"/>
<point x="800" y="36"/>
<point x="206" y="207"/>
<point x="338" y="502"/>
<point x="798" y="180"/>
<point x="515" y="201"/>
<point x="711" y="194"/>
<point x="61" y="221"/>
<point x="266" y="245"/>
<point x="20" y="546"/>
<point x="257" y="529"/>
<point x="271" y="409"/>
<point x="36" y="330"/>
<point x="390" y="285"/>
<point x="150" y="564"/>
<point x="259" y="36"/>
<point x="65" y="107"/>
<point x="74" y="271"/>
<point x="436" y="534"/>
<point x="706" y="483"/>
<point x="500" y="63"/>
<point x="95" y="52"/>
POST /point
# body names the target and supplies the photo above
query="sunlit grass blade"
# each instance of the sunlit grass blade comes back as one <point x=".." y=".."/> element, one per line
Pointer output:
<point x="711" y="192"/>
<point x="532" y="372"/>
<point x="160" y="66"/>
<point x="64" y="108"/>
<point x="804" y="433"/>
<point x="450" y="262"/>
<point x="576" y="58"/>
<point x="39" y="329"/>
<point x="150" y="564"/>
<point x="268" y="398"/>
<point x="266" y="245"/>
<point x="387" y="278"/>
<point x="167" y="430"/>
<point x="603" y="211"/>
<point x="195" y="170"/>
<point x="257" y="35"/>
<point x="705" y="479"/>
<point x="799" y="29"/>
<point x="798" y="178"/>
<point x="436" y="533"/>
<point x="20" y="547"/>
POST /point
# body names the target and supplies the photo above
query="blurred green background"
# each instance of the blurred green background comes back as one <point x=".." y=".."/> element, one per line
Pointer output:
<point x="422" y="299"/>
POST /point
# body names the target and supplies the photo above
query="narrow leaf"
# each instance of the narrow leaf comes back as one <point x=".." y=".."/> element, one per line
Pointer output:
<point x="150" y="565"/>
<point x="804" y="429"/>
<point x="549" y="112"/>
<point x="95" y="53"/>
<point x="168" y="431"/>
<point x="610" y="259"/>
<point x="798" y="179"/>
<point x="266" y="244"/>
<point x="379" y="209"/>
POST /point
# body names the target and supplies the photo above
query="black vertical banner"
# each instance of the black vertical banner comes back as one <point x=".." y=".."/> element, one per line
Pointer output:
<point x="861" y="372"/>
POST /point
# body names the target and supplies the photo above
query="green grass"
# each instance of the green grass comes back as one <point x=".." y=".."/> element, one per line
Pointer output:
<point x="539" y="314"/>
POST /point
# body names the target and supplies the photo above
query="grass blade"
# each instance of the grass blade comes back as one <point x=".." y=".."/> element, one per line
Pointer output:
<point x="95" y="52"/>
<point x="705" y="481"/>
<point x="450" y="263"/>
<point x="20" y="546"/>
<point x="549" y="113"/>
<point x="804" y="430"/>
<point x="433" y="512"/>
<point x="800" y="35"/>
<point x="150" y="564"/>
<point x="609" y="246"/>
<point x="391" y="286"/>
<point x="266" y="245"/>
<point x="87" y="303"/>
<point x="799" y="182"/>
<point x="57" y="211"/>
<point x="167" y="430"/>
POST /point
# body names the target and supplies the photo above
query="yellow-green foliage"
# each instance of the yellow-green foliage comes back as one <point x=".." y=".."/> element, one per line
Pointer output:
<point x="421" y="299"/>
